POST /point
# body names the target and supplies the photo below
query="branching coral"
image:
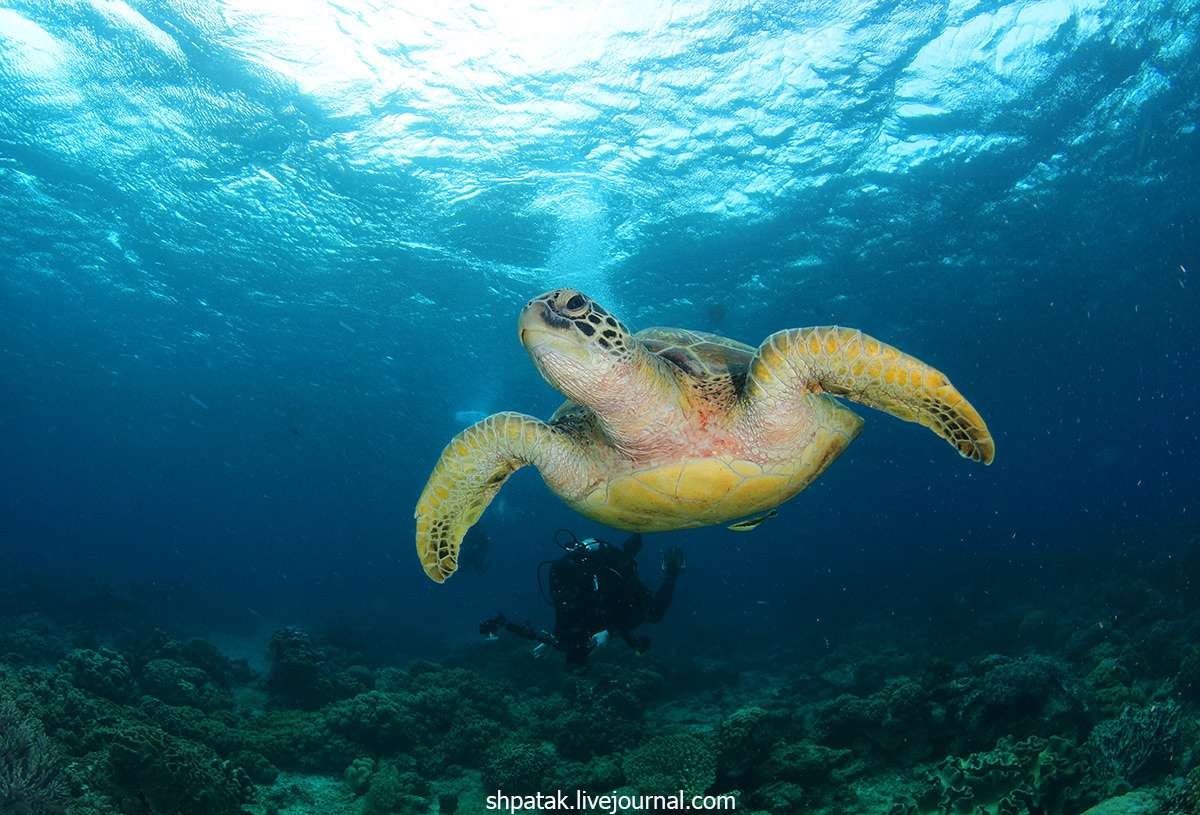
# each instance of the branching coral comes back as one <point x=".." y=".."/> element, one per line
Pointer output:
<point x="1186" y="800"/>
<point x="1123" y="750"/>
<point x="31" y="773"/>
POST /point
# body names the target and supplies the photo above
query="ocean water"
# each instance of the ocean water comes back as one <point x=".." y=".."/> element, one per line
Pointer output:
<point x="259" y="262"/>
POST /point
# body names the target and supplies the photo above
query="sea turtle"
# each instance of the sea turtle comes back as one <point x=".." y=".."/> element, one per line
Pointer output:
<point x="673" y="429"/>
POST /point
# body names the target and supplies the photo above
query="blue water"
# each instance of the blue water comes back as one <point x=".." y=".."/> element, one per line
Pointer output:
<point x="258" y="265"/>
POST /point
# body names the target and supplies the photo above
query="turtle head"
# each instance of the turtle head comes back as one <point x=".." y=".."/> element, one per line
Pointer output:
<point x="575" y="343"/>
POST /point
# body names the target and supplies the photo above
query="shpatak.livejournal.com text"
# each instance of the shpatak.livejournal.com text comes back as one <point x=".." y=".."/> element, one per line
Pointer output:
<point x="580" y="801"/>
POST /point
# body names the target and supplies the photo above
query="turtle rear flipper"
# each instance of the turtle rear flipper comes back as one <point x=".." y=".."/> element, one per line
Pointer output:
<point x="847" y="363"/>
<point x="471" y="470"/>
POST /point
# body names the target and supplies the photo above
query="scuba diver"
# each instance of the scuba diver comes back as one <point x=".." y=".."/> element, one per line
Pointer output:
<point x="597" y="595"/>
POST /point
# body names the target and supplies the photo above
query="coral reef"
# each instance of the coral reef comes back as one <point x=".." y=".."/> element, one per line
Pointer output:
<point x="603" y="712"/>
<point x="104" y="672"/>
<point x="1123" y="750"/>
<point x="31" y="639"/>
<point x="299" y="676"/>
<point x="1112" y="686"/>
<point x="805" y="763"/>
<point x="1015" y="778"/>
<point x="517" y="769"/>
<point x="1187" y="678"/>
<point x="1032" y="694"/>
<point x="743" y="741"/>
<point x="174" y="775"/>
<point x="1186" y="797"/>
<point x="394" y="790"/>
<point x="358" y="774"/>
<point x="176" y="684"/>
<point x="667" y="764"/>
<point x="893" y="720"/>
<point x="32" y="781"/>
<point x="982" y="724"/>
<point x="382" y="722"/>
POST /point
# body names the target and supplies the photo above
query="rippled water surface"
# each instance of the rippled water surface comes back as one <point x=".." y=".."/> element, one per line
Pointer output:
<point x="260" y="261"/>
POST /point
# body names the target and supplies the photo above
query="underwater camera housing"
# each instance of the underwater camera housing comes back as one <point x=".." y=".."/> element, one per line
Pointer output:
<point x="489" y="628"/>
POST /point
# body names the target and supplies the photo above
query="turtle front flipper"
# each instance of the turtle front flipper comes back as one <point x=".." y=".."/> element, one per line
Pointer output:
<point x="473" y="467"/>
<point x="847" y="363"/>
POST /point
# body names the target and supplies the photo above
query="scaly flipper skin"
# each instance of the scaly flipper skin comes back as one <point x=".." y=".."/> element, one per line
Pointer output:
<point x="847" y="363"/>
<point x="674" y="429"/>
<point x="473" y="467"/>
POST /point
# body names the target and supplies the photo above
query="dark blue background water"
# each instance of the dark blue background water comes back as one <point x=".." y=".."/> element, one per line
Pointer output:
<point x="255" y="270"/>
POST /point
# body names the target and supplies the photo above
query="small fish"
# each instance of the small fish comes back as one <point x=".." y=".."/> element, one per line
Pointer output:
<point x="752" y="523"/>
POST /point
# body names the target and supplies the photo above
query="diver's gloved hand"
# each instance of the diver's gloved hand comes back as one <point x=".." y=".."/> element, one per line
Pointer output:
<point x="633" y="545"/>
<point x="673" y="562"/>
<point x="541" y="650"/>
<point x="599" y="638"/>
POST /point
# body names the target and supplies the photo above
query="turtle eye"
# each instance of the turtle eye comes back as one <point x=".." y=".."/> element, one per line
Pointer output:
<point x="576" y="303"/>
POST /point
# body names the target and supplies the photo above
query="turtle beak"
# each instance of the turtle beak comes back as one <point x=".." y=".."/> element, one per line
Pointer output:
<point x="543" y="331"/>
<point x="532" y="328"/>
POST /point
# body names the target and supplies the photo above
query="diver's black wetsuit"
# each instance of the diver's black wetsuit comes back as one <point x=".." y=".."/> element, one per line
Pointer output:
<point x="595" y="587"/>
